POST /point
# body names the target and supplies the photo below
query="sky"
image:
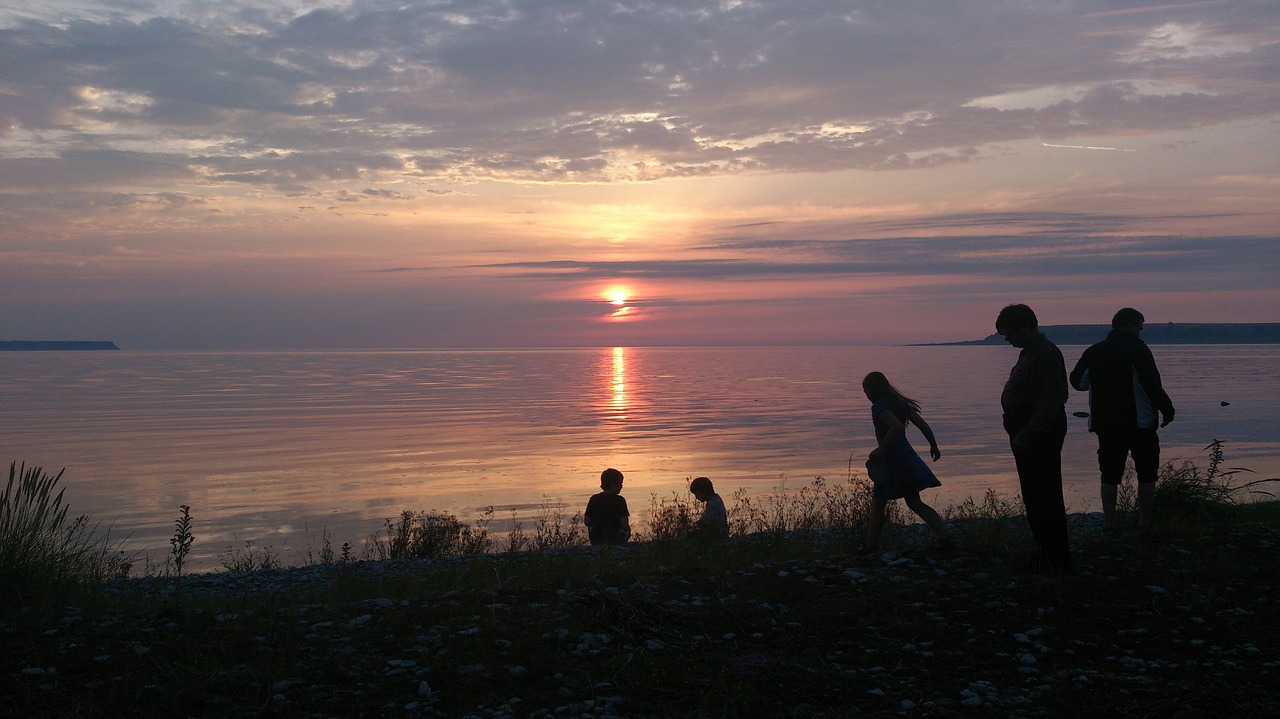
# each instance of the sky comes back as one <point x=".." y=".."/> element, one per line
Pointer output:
<point x="180" y="174"/>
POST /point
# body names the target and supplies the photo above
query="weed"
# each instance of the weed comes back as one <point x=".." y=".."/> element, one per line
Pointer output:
<point x="835" y="508"/>
<point x="670" y="518"/>
<point x="430" y="534"/>
<point x="248" y="560"/>
<point x="1185" y="495"/>
<point x="516" y="540"/>
<point x="551" y="531"/>
<point x="41" y="553"/>
<point x="990" y="523"/>
<point x="180" y="543"/>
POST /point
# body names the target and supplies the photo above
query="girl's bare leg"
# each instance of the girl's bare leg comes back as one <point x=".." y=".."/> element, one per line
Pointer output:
<point x="928" y="514"/>
<point x="875" y="523"/>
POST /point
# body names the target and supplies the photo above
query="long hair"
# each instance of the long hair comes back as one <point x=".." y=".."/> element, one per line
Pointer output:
<point x="877" y="387"/>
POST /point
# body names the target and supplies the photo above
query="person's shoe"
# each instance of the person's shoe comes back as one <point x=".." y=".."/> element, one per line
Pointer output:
<point x="866" y="550"/>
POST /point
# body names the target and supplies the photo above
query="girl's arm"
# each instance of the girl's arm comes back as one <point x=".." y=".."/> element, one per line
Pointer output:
<point x="917" y="420"/>
<point x="891" y="435"/>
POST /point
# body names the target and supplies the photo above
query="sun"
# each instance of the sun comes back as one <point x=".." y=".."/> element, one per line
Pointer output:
<point x="619" y="296"/>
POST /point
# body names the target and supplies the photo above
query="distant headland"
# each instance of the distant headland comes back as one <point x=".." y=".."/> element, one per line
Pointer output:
<point x="59" y="345"/>
<point x="1172" y="333"/>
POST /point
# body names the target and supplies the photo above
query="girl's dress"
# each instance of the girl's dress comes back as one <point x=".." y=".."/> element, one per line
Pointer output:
<point x="904" y="471"/>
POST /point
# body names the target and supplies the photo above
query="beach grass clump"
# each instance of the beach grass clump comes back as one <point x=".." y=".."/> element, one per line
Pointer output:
<point x="42" y="552"/>
<point x="249" y="559"/>
<point x="670" y="518"/>
<point x="1189" y="495"/>
<point x="992" y="522"/>
<point x="551" y="530"/>
<point x="840" y="509"/>
<point x="418" y="535"/>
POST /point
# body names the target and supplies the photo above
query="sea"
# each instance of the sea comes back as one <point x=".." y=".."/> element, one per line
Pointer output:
<point x="285" y="450"/>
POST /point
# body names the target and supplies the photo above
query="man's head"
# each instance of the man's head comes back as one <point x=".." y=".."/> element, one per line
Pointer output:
<point x="1017" y="324"/>
<point x="1128" y="319"/>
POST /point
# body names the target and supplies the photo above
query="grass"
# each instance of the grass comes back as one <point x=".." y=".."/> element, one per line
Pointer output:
<point x="779" y="620"/>
<point x="1188" y="495"/>
<point x="43" y="555"/>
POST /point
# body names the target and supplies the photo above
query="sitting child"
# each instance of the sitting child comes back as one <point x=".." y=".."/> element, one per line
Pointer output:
<point x="606" y="516"/>
<point x="715" y="518"/>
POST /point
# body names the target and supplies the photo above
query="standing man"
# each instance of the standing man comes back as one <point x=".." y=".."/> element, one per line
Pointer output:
<point x="1034" y="404"/>
<point x="1125" y="395"/>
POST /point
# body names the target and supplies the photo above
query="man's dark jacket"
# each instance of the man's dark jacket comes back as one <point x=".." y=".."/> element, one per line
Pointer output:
<point x="1113" y="365"/>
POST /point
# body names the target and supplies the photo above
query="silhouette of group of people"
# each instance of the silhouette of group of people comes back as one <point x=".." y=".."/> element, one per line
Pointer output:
<point x="1127" y="404"/>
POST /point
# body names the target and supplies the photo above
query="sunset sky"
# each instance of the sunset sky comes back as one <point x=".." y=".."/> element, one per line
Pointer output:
<point x="502" y="173"/>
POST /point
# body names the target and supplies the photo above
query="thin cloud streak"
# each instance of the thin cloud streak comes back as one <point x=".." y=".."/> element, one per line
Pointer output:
<point x="1087" y="147"/>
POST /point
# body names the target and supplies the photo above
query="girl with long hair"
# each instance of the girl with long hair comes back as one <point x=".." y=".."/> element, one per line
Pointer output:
<point x="896" y="470"/>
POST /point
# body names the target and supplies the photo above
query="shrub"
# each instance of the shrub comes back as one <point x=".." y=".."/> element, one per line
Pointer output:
<point x="41" y="553"/>
<point x="840" y="508"/>
<point x="430" y="534"/>
<point x="248" y="559"/>
<point x="993" y="522"/>
<point x="1185" y="494"/>
<point x="670" y="518"/>
<point x="550" y="530"/>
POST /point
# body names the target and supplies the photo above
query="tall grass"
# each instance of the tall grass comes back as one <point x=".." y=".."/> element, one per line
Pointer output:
<point x="42" y="553"/>
<point x="551" y="530"/>
<point x="837" y="510"/>
<point x="992" y="521"/>
<point x="1188" y="495"/>
<point x="429" y="534"/>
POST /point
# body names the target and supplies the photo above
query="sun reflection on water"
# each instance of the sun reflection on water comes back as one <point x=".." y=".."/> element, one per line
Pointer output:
<point x="619" y="383"/>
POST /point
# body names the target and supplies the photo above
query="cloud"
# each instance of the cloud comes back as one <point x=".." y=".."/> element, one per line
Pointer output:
<point x="1053" y="245"/>
<point x="589" y="90"/>
<point x="509" y="149"/>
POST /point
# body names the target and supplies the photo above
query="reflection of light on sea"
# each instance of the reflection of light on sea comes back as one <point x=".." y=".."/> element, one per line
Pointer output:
<point x="619" y="383"/>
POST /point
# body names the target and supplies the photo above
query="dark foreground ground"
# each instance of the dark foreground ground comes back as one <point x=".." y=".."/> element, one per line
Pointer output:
<point x="1170" y="625"/>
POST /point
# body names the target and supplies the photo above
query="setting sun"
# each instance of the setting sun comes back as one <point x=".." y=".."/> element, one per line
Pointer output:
<point x="618" y="296"/>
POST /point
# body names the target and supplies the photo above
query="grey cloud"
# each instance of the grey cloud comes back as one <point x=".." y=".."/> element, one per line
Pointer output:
<point x="540" y="90"/>
<point x="92" y="167"/>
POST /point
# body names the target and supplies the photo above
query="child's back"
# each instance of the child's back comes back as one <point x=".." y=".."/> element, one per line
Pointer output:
<point x="715" y="517"/>
<point x="606" y="515"/>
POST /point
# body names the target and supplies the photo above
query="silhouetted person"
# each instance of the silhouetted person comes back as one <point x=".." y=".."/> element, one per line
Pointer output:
<point x="1126" y="399"/>
<point x="1035" y="417"/>
<point x="905" y="474"/>
<point x="715" y="518"/>
<point x="606" y="515"/>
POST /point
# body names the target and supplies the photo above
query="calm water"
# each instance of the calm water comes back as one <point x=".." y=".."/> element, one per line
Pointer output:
<point x="278" y="447"/>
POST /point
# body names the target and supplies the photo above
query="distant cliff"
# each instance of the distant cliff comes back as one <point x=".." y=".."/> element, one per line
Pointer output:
<point x="1173" y="333"/>
<point x="35" y="346"/>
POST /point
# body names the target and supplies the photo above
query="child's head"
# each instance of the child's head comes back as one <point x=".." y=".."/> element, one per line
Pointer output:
<point x="702" y="489"/>
<point x="611" y="480"/>
<point x="876" y="386"/>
